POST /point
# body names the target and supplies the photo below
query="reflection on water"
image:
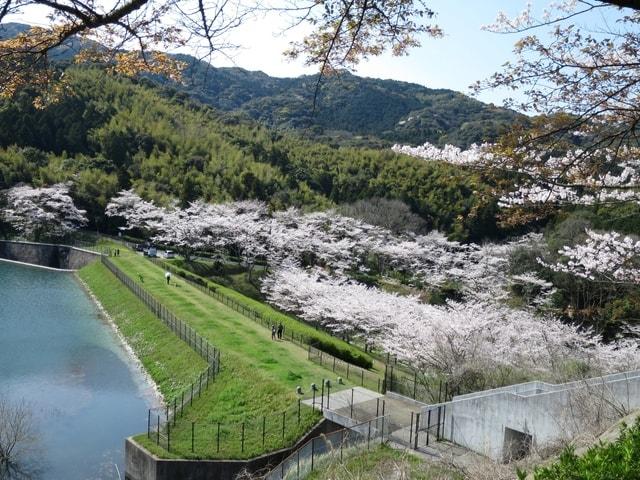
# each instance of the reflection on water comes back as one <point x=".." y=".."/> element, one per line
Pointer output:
<point x="58" y="355"/>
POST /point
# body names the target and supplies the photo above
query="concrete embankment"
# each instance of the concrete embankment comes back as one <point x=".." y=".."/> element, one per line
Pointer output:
<point x="143" y="465"/>
<point x="62" y="257"/>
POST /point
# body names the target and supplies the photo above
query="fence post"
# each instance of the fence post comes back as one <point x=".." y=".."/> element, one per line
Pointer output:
<point x="322" y="397"/>
<point x="415" y="446"/>
<point x="444" y="413"/>
<point x="341" y="442"/>
<point x="158" y="432"/>
<point x="384" y="382"/>
<point x="264" y="428"/>
<point x="168" y="437"/>
<point x="351" y="414"/>
<point x="313" y="444"/>
<point x="369" y="435"/>
<point x="148" y="422"/>
<point x="415" y="384"/>
<point x="182" y="405"/>
<point x="428" y="426"/>
<point x="334" y="364"/>
<point x="193" y="431"/>
<point x="284" y="416"/>
<point x="200" y="385"/>
<point x="438" y="426"/>
<point x="175" y="410"/>
<point x="242" y="439"/>
<point x="362" y="377"/>
<point x="348" y="371"/>
<point x="377" y="405"/>
<point x="411" y="430"/>
<point x="299" y="401"/>
<point x="218" y="440"/>
<point x="298" y="471"/>
<point x="191" y="399"/>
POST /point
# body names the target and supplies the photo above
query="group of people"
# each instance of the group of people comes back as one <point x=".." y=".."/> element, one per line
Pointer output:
<point x="277" y="332"/>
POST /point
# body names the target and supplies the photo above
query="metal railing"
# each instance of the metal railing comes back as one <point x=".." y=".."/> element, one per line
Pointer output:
<point x="320" y="451"/>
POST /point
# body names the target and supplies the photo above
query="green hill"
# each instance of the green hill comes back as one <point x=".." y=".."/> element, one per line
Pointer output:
<point x="350" y="110"/>
<point x="109" y="133"/>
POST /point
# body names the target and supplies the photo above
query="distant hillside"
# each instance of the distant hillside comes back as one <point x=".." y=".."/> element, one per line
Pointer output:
<point x="351" y="110"/>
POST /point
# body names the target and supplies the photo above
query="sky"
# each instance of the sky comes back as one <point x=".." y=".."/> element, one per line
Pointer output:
<point x="465" y="54"/>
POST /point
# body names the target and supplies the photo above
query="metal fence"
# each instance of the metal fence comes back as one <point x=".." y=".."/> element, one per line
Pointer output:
<point x="180" y="328"/>
<point x="357" y="375"/>
<point x="262" y="319"/>
<point x="324" y="449"/>
<point x="245" y="438"/>
<point x="418" y="386"/>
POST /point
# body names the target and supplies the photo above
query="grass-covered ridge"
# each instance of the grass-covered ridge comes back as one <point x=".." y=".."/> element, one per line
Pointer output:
<point x="171" y="364"/>
<point x="318" y="338"/>
<point x="256" y="386"/>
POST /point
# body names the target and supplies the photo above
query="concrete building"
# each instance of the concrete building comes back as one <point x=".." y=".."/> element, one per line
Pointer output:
<point x="505" y="423"/>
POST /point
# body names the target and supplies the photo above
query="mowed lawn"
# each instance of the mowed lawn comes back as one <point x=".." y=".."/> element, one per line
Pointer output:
<point x="258" y="378"/>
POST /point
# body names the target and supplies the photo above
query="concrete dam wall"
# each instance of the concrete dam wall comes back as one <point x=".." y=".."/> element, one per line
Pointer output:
<point x="46" y="255"/>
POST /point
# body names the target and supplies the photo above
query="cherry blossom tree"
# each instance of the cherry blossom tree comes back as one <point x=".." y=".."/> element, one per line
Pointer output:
<point x="603" y="256"/>
<point x="136" y="212"/>
<point x="447" y="339"/>
<point x="39" y="213"/>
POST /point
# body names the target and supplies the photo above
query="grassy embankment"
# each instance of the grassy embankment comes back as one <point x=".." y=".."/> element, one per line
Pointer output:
<point x="258" y="377"/>
<point x="204" y="271"/>
<point x="381" y="462"/>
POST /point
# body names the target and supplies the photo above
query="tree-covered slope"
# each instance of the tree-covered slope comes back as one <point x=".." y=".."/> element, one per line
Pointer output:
<point x="107" y="134"/>
<point x="349" y="109"/>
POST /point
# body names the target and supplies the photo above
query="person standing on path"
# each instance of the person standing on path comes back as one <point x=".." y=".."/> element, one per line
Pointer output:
<point x="280" y="330"/>
<point x="273" y="332"/>
<point x="167" y="275"/>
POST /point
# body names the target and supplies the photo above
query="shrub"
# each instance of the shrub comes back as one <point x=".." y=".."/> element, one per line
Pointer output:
<point x="619" y="460"/>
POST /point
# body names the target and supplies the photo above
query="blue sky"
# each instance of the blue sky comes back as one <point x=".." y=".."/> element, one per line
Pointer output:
<point x="464" y="55"/>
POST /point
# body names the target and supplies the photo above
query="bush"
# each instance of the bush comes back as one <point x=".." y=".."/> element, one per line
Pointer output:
<point x="619" y="460"/>
<point x="341" y="353"/>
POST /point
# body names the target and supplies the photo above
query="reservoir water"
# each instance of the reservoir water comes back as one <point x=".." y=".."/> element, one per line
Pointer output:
<point x="59" y="356"/>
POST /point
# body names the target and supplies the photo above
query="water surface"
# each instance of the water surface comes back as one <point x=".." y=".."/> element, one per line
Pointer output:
<point x="59" y="355"/>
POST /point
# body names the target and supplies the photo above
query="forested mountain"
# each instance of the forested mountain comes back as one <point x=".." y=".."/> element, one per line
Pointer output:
<point x="350" y="110"/>
<point x="108" y="134"/>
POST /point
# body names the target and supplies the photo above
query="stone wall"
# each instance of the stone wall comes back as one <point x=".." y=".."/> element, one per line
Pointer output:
<point x="143" y="465"/>
<point x="46" y="255"/>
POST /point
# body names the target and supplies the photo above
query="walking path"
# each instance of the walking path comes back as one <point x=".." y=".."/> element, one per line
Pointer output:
<point x="359" y="405"/>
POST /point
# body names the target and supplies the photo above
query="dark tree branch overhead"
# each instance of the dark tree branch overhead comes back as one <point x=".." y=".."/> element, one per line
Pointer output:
<point x="633" y="4"/>
<point x="343" y="32"/>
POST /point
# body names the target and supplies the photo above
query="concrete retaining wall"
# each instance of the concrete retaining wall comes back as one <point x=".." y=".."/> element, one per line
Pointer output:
<point x="485" y="421"/>
<point x="143" y="465"/>
<point x="46" y="254"/>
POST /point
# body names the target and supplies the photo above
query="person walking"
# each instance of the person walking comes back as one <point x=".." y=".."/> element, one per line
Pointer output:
<point x="280" y="330"/>
<point x="273" y="332"/>
<point x="167" y="275"/>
